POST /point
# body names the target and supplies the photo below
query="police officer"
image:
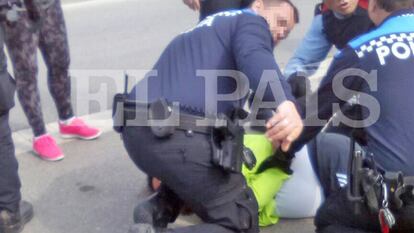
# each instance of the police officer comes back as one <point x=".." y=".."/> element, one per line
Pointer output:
<point x="223" y="49"/>
<point x="14" y="213"/>
<point x="378" y="68"/>
<point x="335" y="23"/>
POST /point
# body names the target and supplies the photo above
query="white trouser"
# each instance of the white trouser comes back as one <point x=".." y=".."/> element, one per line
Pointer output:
<point x="302" y="194"/>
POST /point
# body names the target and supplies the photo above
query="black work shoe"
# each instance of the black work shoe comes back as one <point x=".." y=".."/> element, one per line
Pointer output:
<point x="14" y="222"/>
<point x="145" y="228"/>
<point x="156" y="210"/>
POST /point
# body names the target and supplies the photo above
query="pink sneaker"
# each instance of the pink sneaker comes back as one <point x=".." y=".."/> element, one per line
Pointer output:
<point x="47" y="149"/>
<point x="78" y="129"/>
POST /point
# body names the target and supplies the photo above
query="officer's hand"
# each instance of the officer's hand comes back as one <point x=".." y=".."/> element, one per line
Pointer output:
<point x="285" y="126"/>
<point x="193" y="4"/>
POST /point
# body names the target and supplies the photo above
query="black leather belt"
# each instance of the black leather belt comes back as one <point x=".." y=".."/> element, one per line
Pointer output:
<point x="137" y="115"/>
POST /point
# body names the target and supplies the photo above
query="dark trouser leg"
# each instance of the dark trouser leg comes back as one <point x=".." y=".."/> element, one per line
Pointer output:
<point x="342" y="229"/>
<point x="183" y="163"/>
<point x="332" y="161"/>
<point x="338" y="212"/>
<point x="22" y="47"/>
<point x="53" y="43"/>
<point x="9" y="178"/>
<point x="337" y="216"/>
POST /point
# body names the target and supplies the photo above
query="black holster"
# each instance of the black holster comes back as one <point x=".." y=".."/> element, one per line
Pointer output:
<point x="118" y="112"/>
<point x="227" y="145"/>
<point x="365" y="186"/>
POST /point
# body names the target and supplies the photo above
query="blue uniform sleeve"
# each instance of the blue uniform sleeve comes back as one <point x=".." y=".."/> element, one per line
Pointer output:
<point x="252" y="47"/>
<point x="326" y="97"/>
<point x="312" y="51"/>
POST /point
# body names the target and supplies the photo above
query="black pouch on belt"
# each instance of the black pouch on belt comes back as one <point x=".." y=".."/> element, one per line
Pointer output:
<point x="118" y="110"/>
<point x="161" y="119"/>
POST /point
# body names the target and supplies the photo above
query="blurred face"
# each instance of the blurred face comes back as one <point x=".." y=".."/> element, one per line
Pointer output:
<point x="280" y="17"/>
<point x="343" y="7"/>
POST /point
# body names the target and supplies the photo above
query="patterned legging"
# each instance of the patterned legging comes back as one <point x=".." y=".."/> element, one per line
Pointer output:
<point x="22" y="40"/>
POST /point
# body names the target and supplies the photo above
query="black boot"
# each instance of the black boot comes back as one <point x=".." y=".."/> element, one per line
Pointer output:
<point x="159" y="209"/>
<point x="14" y="222"/>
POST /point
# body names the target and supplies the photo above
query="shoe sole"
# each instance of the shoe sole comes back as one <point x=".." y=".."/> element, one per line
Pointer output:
<point x="18" y="228"/>
<point x="26" y="218"/>
<point x="69" y="136"/>
<point x="58" y="158"/>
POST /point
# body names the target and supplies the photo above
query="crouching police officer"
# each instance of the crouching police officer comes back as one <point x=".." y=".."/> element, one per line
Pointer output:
<point x="14" y="213"/>
<point x="377" y="68"/>
<point x="199" y="164"/>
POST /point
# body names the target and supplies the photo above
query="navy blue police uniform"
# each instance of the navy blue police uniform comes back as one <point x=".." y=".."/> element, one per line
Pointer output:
<point x="377" y="67"/>
<point x="236" y="41"/>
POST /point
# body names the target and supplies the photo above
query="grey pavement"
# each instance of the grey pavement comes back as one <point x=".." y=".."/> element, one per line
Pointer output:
<point x="95" y="188"/>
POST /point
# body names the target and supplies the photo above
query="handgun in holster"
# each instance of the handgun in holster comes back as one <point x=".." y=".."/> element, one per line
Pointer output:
<point x="229" y="152"/>
<point x="355" y="171"/>
<point x="364" y="181"/>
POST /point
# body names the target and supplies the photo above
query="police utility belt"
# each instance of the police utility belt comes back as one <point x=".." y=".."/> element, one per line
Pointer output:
<point x="226" y="135"/>
<point x="382" y="193"/>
